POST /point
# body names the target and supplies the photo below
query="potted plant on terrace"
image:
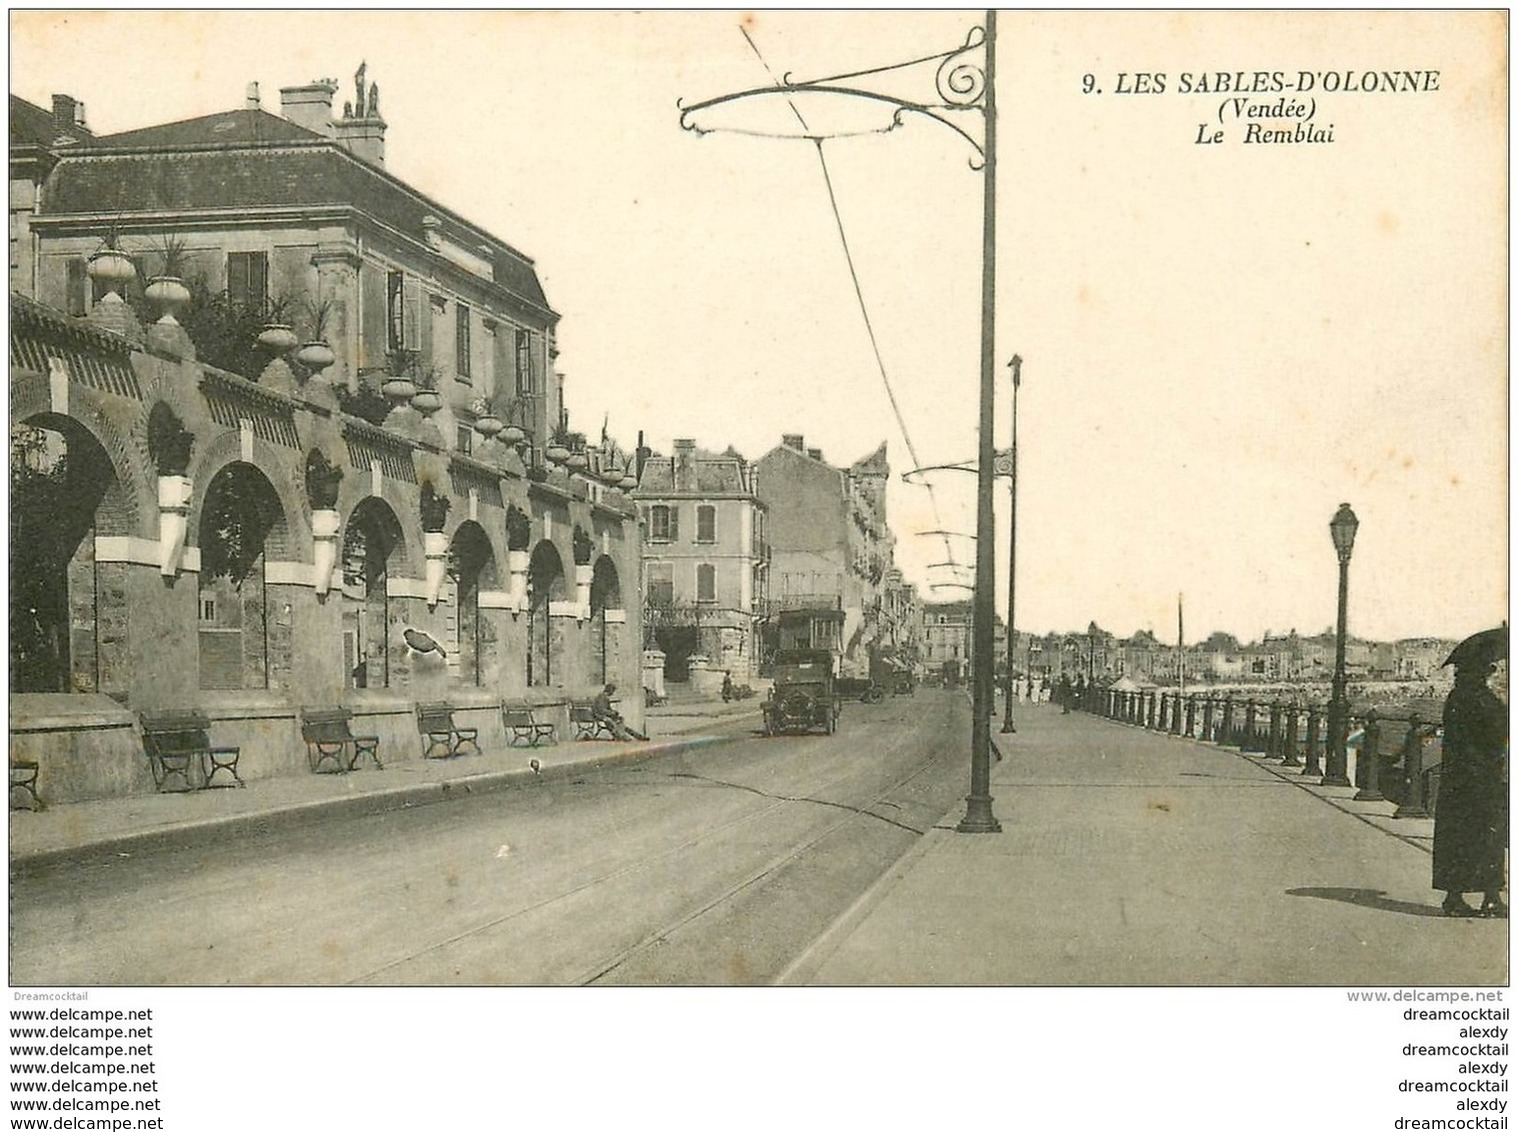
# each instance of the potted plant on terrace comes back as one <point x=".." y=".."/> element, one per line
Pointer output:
<point x="434" y="509"/>
<point x="485" y="421"/>
<point x="167" y="289"/>
<point x="426" y="400"/>
<point x="110" y="266"/>
<point x="558" y="449"/>
<point x="399" y="366"/>
<point x="170" y="445"/>
<point x="277" y="335"/>
<point x="315" y="354"/>
<point x="323" y="480"/>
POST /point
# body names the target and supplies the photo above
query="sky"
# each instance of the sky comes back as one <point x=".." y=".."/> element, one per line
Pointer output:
<point x="1220" y="342"/>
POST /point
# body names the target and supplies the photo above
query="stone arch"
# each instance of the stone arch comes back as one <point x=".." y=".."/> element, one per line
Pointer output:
<point x="605" y="593"/>
<point x="63" y="487"/>
<point x="281" y="469"/>
<point x="131" y="507"/>
<point x="373" y="549"/>
<point x="545" y="585"/>
<point x="238" y="518"/>
<point x="471" y="568"/>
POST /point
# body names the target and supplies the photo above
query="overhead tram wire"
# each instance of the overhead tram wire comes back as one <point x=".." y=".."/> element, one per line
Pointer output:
<point x="848" y="256"/>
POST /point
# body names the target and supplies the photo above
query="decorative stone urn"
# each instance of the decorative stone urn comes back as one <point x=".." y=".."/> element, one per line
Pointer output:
<point x="113" y="270"/>
<point x="315" y="356"/>
<point x="278" y="338"/>
<point x="170" y="295"/>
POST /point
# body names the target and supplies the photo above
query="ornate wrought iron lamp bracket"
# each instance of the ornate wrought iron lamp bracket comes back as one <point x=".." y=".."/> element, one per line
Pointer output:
<point x="958" y="91"/>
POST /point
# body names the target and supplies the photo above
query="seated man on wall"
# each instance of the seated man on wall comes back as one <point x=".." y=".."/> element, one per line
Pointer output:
<point x="609" y="715"/>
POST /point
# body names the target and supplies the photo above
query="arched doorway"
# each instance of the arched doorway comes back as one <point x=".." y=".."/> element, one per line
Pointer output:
<point x="238" y="521"/>
<point x="370" y="541"/>
<point x="545" y="584"/>
<point x="59" y="477"/>
<point x="605" y="593"/>
<point x="471" y="566"/>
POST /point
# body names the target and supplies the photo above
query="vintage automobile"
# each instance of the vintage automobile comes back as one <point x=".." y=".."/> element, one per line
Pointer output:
<point x="804" y="695"/>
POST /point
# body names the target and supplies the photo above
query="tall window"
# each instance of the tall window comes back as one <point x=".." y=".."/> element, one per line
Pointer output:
<point x="403" y="310"/>
<point x="706" y="523"/>
<point x="706" y="582"/>
<point x="661" y="583"/>
<point x="248" y="279"/>
<point x="663" y="523"/>
<point x="524" y="362"/>
<point x="461" y="340"/>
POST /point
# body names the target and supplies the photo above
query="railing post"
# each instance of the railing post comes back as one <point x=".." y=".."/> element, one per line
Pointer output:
<point x="1289" y="739"/>
<point x="1191" y="715"/>
<point x="1273" y="744"/>
<point x="1314" y="763"/>
<point x="1207" y="733"/>
<point x="1154" y="710"/>
<point x="1413" y="804"/>
<point x="1368" y="768"/>
<point x="1249" y="742"/>
<point x="1226" y="736"/>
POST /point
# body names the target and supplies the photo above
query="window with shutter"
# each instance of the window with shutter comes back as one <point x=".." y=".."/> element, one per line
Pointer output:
<point x="461" y="340"/>
<point x="524" y="362"/>
<point x="706" y="582"/>
<point x="706" y="523"/>
<point x="658" y="523"/>
<point x="661" y="583"/>
<point x="248" y="279"/>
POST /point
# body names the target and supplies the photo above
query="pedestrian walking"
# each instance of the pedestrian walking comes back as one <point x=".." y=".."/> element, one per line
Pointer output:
<point x="727" y="686"/>
<point x="1471" y="816"/>
<point x="1066" y="691"/>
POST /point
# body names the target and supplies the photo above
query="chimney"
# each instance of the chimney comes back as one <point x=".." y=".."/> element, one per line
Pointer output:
<point x="252" y="101"/>
<point x="310" y="105"/>
<point x="68" y="114"/>
<point x="685" y="465"/>
<point x="815" y="454"/>
<point x="793" y="440"/>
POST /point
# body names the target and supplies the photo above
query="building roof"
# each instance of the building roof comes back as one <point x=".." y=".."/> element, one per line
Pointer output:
<point x="251" y="159"/>
<point x="873" y="464"/>
<point x="715" y="475"/>
<point x="247" y="125"/>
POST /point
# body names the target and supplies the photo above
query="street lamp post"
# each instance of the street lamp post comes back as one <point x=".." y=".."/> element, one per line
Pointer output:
<point x="1342" y="527"/>
<point x="1007" y="726"/>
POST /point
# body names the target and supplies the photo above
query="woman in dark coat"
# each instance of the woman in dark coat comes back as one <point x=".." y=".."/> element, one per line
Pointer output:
<point x="1470" y="824"/>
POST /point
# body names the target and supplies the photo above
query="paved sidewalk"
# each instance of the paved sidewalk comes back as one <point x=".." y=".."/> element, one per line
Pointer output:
<point x="81" y="830"/>
<point x="1129" y="857"/>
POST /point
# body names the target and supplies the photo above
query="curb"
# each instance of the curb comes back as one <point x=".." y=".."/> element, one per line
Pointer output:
<point x="381" y="800"/>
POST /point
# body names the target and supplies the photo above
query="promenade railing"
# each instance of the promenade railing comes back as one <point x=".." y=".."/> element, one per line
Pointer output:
<point x="1389" y="747"/>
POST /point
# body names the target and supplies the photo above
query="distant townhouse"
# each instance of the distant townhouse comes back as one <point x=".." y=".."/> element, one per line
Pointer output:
<point x="831" y="546"/>
<point x="705" y="558"/>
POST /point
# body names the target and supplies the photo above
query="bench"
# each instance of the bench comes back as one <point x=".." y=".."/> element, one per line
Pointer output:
<point x="178" y="746"/>
<point x="24" y="777"/>
<point x="331" y="746"/>
<point x="522" y="727"/>
<point x="588" y="725"/>
<point x="441" y="738"/>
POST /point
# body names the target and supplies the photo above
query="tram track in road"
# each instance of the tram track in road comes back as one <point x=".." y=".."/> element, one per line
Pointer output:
<point x="733" y="838"/>
<point x="766" y="871"/>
